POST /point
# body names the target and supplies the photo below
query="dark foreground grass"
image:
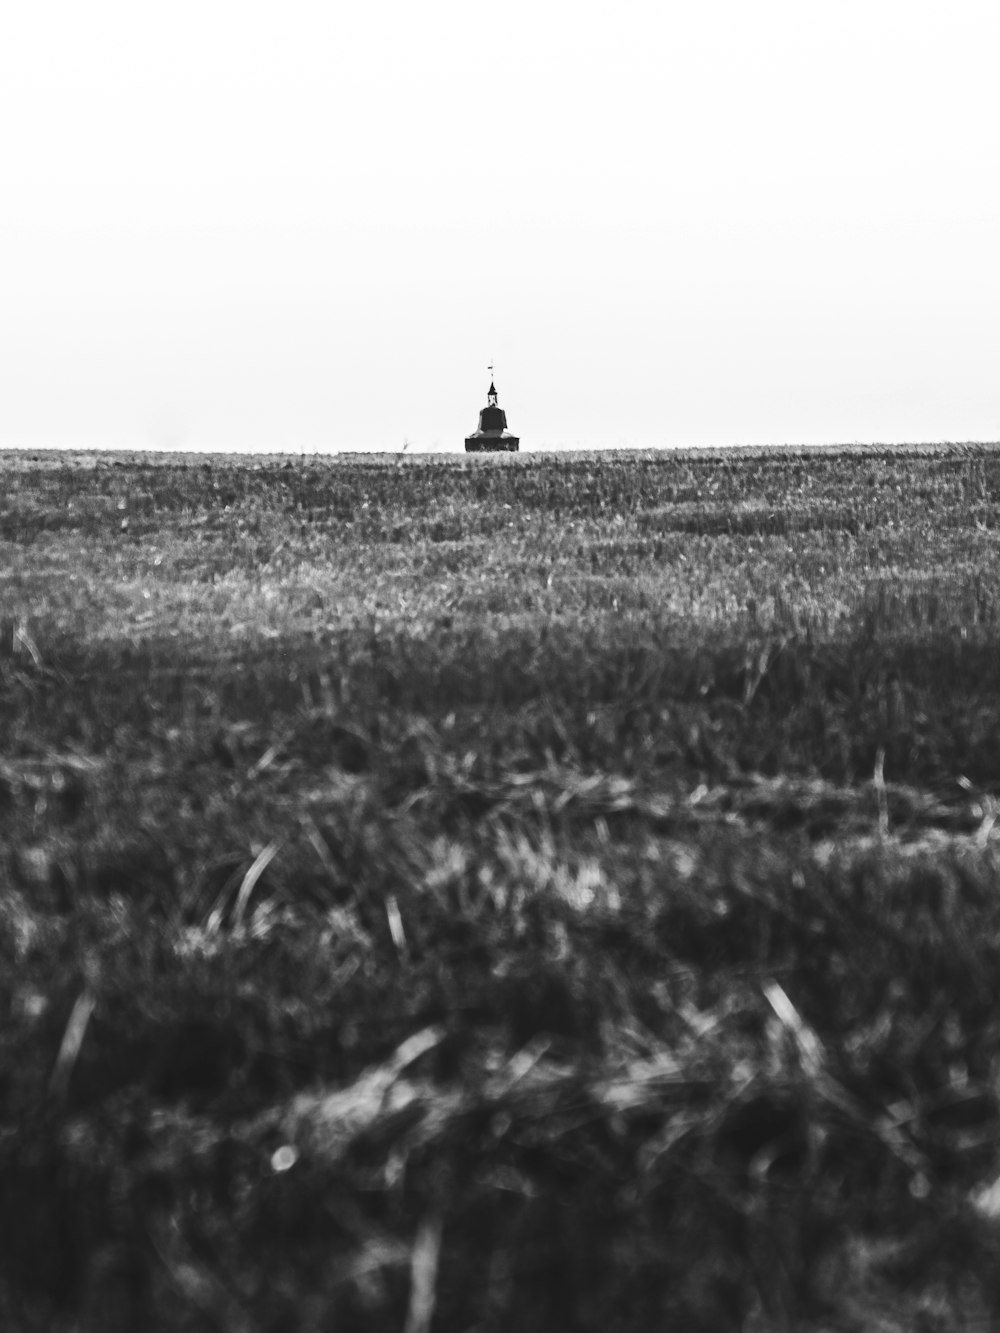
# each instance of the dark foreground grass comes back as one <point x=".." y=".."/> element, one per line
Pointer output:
<point x="611" y="943"/>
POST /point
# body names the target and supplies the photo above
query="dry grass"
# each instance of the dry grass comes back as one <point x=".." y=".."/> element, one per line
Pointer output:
<point x="538" y="893"/>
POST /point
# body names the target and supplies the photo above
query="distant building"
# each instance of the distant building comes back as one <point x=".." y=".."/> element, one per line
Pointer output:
<point x="492" y="435"/>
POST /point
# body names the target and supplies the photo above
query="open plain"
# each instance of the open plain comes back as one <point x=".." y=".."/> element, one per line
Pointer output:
<point x="538" y="892"/>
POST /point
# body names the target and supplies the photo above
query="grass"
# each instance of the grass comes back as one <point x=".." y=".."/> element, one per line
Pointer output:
<point x="533" y="892"/>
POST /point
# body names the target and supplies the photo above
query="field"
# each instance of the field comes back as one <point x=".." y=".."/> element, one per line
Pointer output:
<point x="494" y="893"/>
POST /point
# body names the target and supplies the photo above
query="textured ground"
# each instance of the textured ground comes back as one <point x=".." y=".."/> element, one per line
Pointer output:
<point x="527" y="892"/>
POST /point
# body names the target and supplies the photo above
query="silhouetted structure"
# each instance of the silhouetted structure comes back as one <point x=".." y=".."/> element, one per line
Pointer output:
<point x="492" y="435"/>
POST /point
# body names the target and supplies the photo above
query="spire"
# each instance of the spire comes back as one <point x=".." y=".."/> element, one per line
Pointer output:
<point x="492" y="435"/>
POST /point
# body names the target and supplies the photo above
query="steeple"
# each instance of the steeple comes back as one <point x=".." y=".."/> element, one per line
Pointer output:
<point x="492" y="435"/>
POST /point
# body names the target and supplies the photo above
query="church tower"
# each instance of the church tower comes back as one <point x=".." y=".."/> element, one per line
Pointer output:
<point x="492" y="435"/>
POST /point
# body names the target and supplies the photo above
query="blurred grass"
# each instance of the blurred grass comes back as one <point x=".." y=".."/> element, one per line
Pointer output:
<point x="561" y="889"/>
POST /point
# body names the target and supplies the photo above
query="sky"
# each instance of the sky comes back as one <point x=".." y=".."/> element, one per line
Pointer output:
<point x="313" y="226"/>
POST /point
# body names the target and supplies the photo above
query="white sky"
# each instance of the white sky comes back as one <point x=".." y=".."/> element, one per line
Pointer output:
<point x="312" y="226"/>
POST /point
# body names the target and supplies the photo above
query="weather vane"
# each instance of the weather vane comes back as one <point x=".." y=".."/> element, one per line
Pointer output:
<point x="490" y="369"/>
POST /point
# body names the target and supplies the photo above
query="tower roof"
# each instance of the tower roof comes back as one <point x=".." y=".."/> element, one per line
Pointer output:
<point x="492" y="434"/>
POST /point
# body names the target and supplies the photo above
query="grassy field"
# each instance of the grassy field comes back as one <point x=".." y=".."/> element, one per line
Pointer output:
<point x="528" y="892"/>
